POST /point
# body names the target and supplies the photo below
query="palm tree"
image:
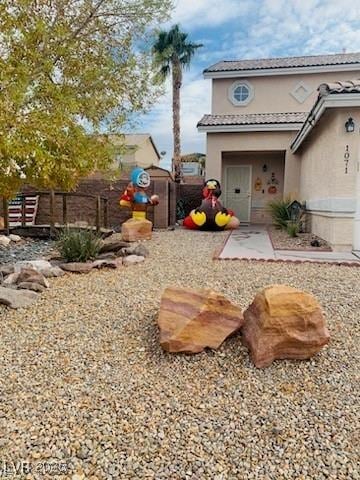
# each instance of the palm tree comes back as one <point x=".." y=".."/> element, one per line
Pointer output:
<point x="173" y="52"/>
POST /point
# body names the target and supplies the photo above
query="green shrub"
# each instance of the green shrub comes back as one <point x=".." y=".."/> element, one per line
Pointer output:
<point x="293" y="229"/>
<point x="279" y="212"/>
<point x="78" y="245"/>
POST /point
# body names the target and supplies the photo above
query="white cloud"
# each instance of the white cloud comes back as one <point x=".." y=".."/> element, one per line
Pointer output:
<point x="195" y="101"/>
<point x="296" y="27"/>
<point x="205" y="13"/>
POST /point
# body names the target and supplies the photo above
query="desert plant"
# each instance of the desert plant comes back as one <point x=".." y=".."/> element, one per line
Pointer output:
<point x="279" y="212"/>
<point x="78" y="245"/>
<point x="293" y="229"/>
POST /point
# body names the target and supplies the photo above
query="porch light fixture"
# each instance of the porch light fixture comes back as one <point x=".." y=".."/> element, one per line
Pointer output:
<point x="264" y="168"/>
<point x="349" y="125"/>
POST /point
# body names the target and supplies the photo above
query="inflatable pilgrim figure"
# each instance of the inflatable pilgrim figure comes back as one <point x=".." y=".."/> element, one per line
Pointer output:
<point x="135" y="196"/>
<point x="211" y="215"/>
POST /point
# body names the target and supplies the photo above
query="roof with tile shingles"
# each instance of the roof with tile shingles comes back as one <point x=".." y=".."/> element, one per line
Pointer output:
<point x="349" y="86"/>
<point x="285" y="62"/>
<point x="252" y="119"/>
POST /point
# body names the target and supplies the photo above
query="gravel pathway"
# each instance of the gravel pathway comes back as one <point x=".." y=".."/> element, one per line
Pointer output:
<point x="86" y="387"/>
<point x="25" y="250"/>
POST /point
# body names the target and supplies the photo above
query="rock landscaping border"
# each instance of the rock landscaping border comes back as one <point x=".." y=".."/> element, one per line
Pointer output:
<point x="22" y="281"/>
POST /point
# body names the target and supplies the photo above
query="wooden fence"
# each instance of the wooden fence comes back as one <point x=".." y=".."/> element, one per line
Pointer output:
<point x="100" y="206"/>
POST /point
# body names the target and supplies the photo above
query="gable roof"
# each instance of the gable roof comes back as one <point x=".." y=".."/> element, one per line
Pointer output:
<point x="284" y="65"/>
<point x="331" y="95"/>
<point x="252" y="121"/>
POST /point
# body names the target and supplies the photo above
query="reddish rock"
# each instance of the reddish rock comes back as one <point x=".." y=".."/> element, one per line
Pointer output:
<point x="191" y="320"/>
<point x="30" y="275"/>
<point x="283" y="322"/>
<point x="135" y="229"/>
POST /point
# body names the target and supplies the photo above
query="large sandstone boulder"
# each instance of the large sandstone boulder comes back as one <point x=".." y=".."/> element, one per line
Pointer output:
<point x="283" y="322"/>
<point x="134" y="229"/>
<point x="191" y="320"/>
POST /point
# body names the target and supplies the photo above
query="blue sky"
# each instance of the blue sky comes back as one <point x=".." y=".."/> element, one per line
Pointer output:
<point x="235" y="29"/>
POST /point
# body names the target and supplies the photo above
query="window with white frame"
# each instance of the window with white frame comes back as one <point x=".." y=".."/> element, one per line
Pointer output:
<point x="241" y="93"/>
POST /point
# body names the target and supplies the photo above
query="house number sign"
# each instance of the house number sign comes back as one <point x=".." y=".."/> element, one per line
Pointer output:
<point x="346" y="158"/>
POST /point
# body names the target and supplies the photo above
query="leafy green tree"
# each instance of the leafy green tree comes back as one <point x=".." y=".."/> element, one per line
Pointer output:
<point x="67" y="68"/>
<point x="173" y="52"/>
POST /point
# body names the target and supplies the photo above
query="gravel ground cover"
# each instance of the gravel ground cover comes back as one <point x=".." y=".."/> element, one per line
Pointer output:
<point x="282" y="241"/>
<point x="86" y="387"/>
<point x="27" y="249"/>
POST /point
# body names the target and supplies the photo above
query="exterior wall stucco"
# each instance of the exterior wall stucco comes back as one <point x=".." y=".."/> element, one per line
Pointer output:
<point x="272" y="93"/>
<point x="336" y="231"/>
<point x="218" y="143"/>
<point x="259" y="198"/>
<point x="329" y="192"/>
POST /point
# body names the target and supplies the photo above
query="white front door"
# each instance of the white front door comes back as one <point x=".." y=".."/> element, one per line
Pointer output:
<point x="238" y="191"/>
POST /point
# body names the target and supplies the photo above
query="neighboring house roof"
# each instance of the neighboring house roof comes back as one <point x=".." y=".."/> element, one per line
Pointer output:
<point x="284" y="65"/>
<point x="153" y="169"/>
<point x="252" y="121"/>
<point x="136" y="139"/>
<point x="331" y="95"/>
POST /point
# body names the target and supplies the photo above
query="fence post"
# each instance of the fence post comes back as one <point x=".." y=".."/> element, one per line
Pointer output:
<point x="64" y="208"/>
<point x="23" y="211"/>
<point x="6" y="216"/>
<point x="52" y="212"/>
<point x="105" y="212"/>
<point x="98" y="207"/>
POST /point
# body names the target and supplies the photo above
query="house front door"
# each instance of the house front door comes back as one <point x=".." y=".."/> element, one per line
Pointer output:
<point x="238" y="191"/>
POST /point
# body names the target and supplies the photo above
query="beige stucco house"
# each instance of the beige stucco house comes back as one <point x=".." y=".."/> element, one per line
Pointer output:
<point x="140" y="151"/>
<point x="288" y="127"/>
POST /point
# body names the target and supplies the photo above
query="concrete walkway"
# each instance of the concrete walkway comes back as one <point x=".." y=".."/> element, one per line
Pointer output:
<point x="253" y="243"/>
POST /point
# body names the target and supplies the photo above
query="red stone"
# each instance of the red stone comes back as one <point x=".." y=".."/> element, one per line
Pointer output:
<point x="283" y="322"/>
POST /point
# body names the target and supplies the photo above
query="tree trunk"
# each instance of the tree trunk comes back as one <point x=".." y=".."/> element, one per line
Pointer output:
<point x="176" y="85"/>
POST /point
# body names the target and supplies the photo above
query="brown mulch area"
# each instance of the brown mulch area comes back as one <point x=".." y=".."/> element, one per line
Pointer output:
<point x="281" y="241"/>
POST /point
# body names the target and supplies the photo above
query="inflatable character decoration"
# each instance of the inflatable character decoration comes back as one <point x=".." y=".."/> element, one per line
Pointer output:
<point x="135" y="196"/>
<point x="211" y="215"/>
